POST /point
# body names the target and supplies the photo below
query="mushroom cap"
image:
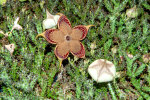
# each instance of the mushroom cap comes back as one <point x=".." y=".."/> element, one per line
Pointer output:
<point x="102" y="70"/>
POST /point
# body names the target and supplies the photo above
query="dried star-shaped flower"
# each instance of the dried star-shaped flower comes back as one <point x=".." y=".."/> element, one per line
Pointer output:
<point x="102" y="70"/>
<point x="67" y="38"/>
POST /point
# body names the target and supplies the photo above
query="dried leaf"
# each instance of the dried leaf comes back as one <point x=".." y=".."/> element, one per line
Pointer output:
<point x="10" y="48"/>
<point x="16" y="25"/>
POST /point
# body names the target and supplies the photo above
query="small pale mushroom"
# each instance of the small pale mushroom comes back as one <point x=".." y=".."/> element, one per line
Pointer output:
<point x="102" y="70"/>
<point x="50" y="21"/>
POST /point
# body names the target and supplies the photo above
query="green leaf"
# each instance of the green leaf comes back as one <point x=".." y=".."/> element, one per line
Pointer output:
<point x="130" y="64"/>
<point x="113" y="23"/>
<point x="146" y="88"/>
<point x="108" y="5"/>
<point x="139" y="70"/>
<point x="146" y="5"/>
<point x="112" y="92"/>
<point x="136" y="83"/>
<point x="107" y="46"/>
<point x="145" y="95"/>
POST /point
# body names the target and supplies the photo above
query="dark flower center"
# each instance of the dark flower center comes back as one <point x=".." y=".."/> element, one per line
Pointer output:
<point x="68" y="38"/>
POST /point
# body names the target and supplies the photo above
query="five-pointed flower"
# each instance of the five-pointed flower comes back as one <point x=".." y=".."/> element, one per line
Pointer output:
<point x="67" y="38"/>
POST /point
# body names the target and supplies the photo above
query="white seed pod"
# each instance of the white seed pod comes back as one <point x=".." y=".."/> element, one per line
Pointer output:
<point x="50" y="21"/>
<point x="102" y="70"/>
<point x="56" y="17"/>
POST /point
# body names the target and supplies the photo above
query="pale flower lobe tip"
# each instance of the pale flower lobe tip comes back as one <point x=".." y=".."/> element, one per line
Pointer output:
<point x="60" y="14"/>
<point x="88" y="26"/>
<point x="42" y="34"/>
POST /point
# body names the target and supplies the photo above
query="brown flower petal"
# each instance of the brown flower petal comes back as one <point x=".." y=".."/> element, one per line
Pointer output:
<point x="62" y="50"/>
<point x="64" y="25"/>
<point x="54" y="36"/>
<point x="77" y="49"/>
<point x="79" y="32"/>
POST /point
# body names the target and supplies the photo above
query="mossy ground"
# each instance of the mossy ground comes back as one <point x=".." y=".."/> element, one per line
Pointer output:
<point x="30" y="73"/>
